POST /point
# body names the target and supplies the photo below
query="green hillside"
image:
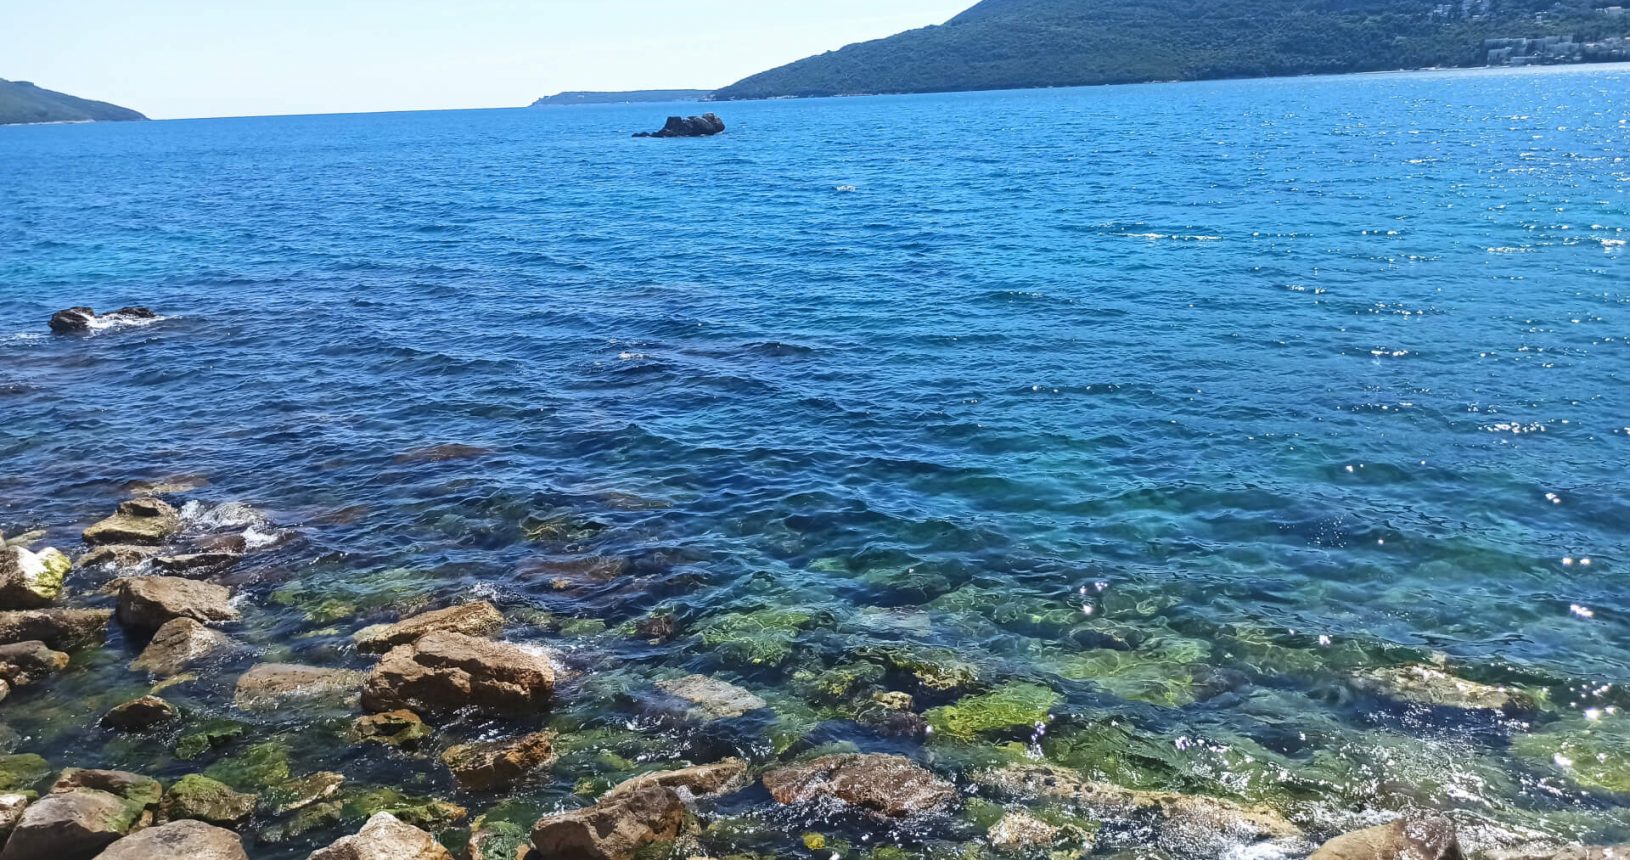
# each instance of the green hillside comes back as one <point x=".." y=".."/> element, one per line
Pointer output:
<point x="21" y="101"/>
<point x="1001" y="44"/>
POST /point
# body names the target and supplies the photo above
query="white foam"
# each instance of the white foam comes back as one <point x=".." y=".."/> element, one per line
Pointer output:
<point x="116" y="321"/>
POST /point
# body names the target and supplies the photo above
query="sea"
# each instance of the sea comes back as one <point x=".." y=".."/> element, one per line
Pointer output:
<point x="1266" y="440"/>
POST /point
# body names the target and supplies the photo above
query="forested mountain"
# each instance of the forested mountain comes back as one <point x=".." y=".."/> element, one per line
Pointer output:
<point x="21" y="101"/>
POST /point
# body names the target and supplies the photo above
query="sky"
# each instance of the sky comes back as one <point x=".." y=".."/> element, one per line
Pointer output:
<point x="191" y="58"/>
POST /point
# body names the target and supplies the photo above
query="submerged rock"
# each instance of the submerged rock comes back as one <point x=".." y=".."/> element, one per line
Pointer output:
<point x="1405" y="839"/>
<point x="714" y="698"/>
<point x="200" y="798"/>
<point x="1014" y="706"/>
<point x="177" y="645"/>
<point x="889" y="785"/>
<point x="613" y="829"/>
<point x="24" y="663"/>
<point x="143" y="522"/>
<point x="139" y="715"/>
<point x="71" y="825"/>
<point x="499" y="840"/>
<point x="1426" y="685"/>
<point x="444" y="672"/>
<point x="78" y="320"/>
<point x="722" y="776"/>
<point x="118" y="555"/>
<point x="181" y="840"/>
<point x="384" y="837"/>
<point x="1019" y="832"/>
<point x="272" y="686"/>
<point x="22" y="772"/>
<point x="706" y="125"/>
<point x="496" y="765"/>
<point x="401" y="729"/>
<point x="297" y="794"/>
<point x="196" y="563"/>
<point x="31" y="580"/>
<point x="148" y="602"/>
<point x="60" y="629"/>
<point x="480" y="620"/>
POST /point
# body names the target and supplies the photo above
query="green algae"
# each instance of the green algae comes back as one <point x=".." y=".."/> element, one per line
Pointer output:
<point x="1161" y="672"/>
<point x="935" y="669"/>
<point x="256" y="768"/>
<point x="426" y="813"/>
<point x="318" y="816"/>
<point x="836" y="684"/>
<point x="582" y="627"/>
<point x="763" y="637"/>
<point x="1016" y="705"/>
<point x="23" y="771"/>
<point x="1591" y="753"/>
<point x="326" y="597"/>
<point x="210" y="736"/>
<point x="1019" y="613"/>
<point x="198" y="797"/>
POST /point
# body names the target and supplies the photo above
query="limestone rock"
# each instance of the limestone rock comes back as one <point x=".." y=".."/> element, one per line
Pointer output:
<point x="705" y="779"/>
<point x="139" y="715"/>
<point x="177" y="645"/>
<point x="401" y="729"/>
<point x="498" y="764"/>
<point x="716" y="699"/>
<point x="144" y="791"/>
<point x="12" y="807"/>
<point x="31" y="580"/>
<point x="1434" y="687"/>
<point x="118" y="555"/>
<point x="1405" y="839"/>
<point x="443" y="672"/>
<point x="59" y="629"/>
<point x="197" y="797"/>
<point x="385" y="838"/>
<point x="23" y="663"/>
<point x="144" y="522"/>
<point x="471" y="619"/>
<point x="147" y="602"/>
<point x="179" y="840"/>
<point x="613" y="829"/>
<point x="272" y="686"/>
<point x="71" y="825"/>
<point x="889" y="785"/>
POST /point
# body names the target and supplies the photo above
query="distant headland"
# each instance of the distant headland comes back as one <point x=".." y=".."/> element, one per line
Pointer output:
<point x="22" y="102"/>
<point x="623" y="98"/>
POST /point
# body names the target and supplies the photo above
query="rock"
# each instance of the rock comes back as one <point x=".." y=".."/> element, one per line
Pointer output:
<point x="22" y="772"/>
<point x="147" y="602"/>
<point x="498" y="764"/>
<point x="716" y="699"/>
<point x="192" y="840"/>
<point x="499" y="840"/>
<point x="722" y="776"/>
<point x="443" y="672"/>
<point x="71" y="825"/>
<point x="706" y="125"/>
<point x="297" y="794"/>
<point x="481" y="620"/>
<point x="1019" y="832"/>
<point x="31" y="580"/>
<point x="443" y="454"/>
<point x="173" y="485"/>
<point x="196" y="563"/>
<point x="613" y="829"/>
<point x="177" y="645"/>
<point x="401" y="729"/>
<point x="23" y="663"/>
<point x="321" y="816"/>
<point x="1426" y="685"/>
<point x="59" y="629"/>
<point x="141" y="790"/>
<point x="118" y="555"/>
<point x="145" y="522"/>
<point x="197" y="797"/>
<point x="12" y="807"/>
<point x="1406" y="839"/>
<point x="139" y="715"/>
<point x="79" y="320"/>
<point x="1572" y="852"/>
<point x="385" y="838"/>
<point x="271" y="686"/>
<point x="889" y="785"/>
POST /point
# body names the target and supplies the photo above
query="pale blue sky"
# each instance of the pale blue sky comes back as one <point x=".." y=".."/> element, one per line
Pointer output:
<point x="189" y="58"/>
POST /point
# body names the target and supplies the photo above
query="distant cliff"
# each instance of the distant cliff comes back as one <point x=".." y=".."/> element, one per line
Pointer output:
<point x="630" y="97"/>
<point x="22" y="102"/>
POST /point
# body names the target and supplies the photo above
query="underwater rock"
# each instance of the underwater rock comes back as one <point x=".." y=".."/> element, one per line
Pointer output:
<point x="1426" y="685"/>
<point x="296" y="794"/>
<point x="24" y="663"/>
<point x="425" y="812"/>
<point x="613" y="829"/>
<point x="197" y="797"/>
<point x="78" y="320"/>
<point x="1014" y="706"/>
<point x="139" y="715"/>
<point x="1019" y="832"/>
<point x="443" y="454"/>
<point x="147" y="602"/>
<point x="444" y="672"/>
<point x="177" y="645"/>
<point x="118" y="555"/>
<point x="716" y="699"/>
<point x="706" y="125"/>
<point x="703" y="779"/>
<point x="1572" y="852"/>
<point x="763" y="637"/>
<point x="889" y="785"/>
<point x="936" y="670"/>
<point x="192" y="840"/>
<point x="495" y="765"/>
<point x="22" y="772"/>
<point x="499" y="840"/>
<point x="31" y="580"/>
<point x="401" y="729"/>
<point x="144" y="522"/>
<point x="196" y="563"/>
<point x="481" y="620"/>
<point x="1405" y="839"/>
<point x="320" y="816"/>
<point x="59" y="629"/>
<point x="659" y="627"/>
<point x="71" y="825"/>
<point x="273" y="686"/>
<point x="385" y="837"/>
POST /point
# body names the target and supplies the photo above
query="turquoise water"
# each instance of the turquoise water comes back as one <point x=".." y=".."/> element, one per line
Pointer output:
<point x="1189" y="403"/>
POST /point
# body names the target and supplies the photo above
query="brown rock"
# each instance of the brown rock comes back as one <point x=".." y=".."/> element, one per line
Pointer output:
<point x="385" y="838"/>
<point x="118" y="555"/>
<point x="144" y="791"/>
<point x="12" y="807"/>
<point x="1406" y="839"/>
<point x="444" y="672"/>
<point x="177" y="645"/>
<point x="401" y="729"/>
<point x="139" y="715"/>
<point x="23" y="663"/>
<point x="195" y="563"/>
<point x="498" y="764"/>
<point x="889" y="785"/>
<point x="147" y="602"/>
<point x="144" y="522"/>
<point x="59" y="629"/>
<point x="1571" y="852"/>
<point x="481" y="620"/>
<point x="71" y="825"/>
<point x="178" y="840"/>
<point x="699" y="780"/>
<point x="270" y="686"/>
<point x="613" y="829"/>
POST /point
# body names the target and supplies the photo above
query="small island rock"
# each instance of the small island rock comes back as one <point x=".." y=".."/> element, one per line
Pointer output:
<point x="81" y="319"/>
<point x="706" y="125"/>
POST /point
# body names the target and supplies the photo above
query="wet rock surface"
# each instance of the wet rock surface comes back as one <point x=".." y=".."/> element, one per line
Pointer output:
<point x="1405" y="839"/>
<point x="444" y="672"/>
<point x="197" y="797"/>
<point x="80" y="320"/>
<point x="274" y="686"/>
<point x="178" y="644"/>
<point x="889" y="785"/>
<point x="401" y="729"/>
<point x="31" y="580"/>
<point x="614" y="829"/>
<point x="146" y="603"/>
<point x="140" y="522"/>
<point x="706" y="125"/>
<point x="494" y="765"/>
<point x="471" y="619"/>
<point x="714" y="698"/>
<point x="59" y="629"/>
<point x="180" y="840"/>
<point x="140" y="715"/>
<point x="385" y="837"/>
<point x="716" y="778"/>
<point x="77" y="824"/>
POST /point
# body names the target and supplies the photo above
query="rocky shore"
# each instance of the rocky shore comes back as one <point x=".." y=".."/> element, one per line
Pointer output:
<point x="439" y="720"/>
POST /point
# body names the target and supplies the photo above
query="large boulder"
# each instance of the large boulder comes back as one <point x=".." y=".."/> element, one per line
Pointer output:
<point x="179" y="840"/>
<point x="1406" y="839"/>
<point x="888" y="785"/>
<point x="444" y="672"/>
<point x="272" y="686"/>
<point x="143" y="791"/>
<point x="79" y="320"/>
<point x="71" y="825"/>
<point x="144" y="522"/>
<point x="199" y="798"/>
<point x="60" y="629"/>
<point x="471" y="619"/>
<point x="147" y="602"/>
<point x="23" y="663"/>
<point x="613" y="829"/>
<point x="31" y="580"/>
<point x="384" y="837"/>
<point x="12" y="807"/>
<point x="177" y="645"/>
<point x="706" y="125"/>
<point x="500" y="764"/>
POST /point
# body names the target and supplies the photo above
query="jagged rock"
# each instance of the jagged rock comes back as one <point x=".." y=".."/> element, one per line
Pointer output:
<point x="78" y="320"/>
<point x="144" y="791"/>
<point x="59" y="629"/>
<point x="444" y="672"/>
<point x="200" y="798"/>
<point x="31" y="580"/>
<point x="177" y="645"/>
<point x="706" y="125"/>
<point x="12" y="807"/>
<point x="297" y="794"/>
<point x="23" y="663"/>
<point x="71" y="825"/>
<point x="385" y="838"/>
<point x="191" y="840"/>
<point x="147" y="602"/>
<point x="889" y="785"/>
<point x="613" y="829"/>
<point x="139" y="715"/>
<point x="271" y="686"/>
<point x="480" y="620"/>
<point x="715" y="699"/>
<point x="1405" y="839"/>
<point x="196" y="563"/>
<point x="144" y="522"/>
<point x="1426" y="685"/>
<point x="715" y="778"/>
<point x="498" y="764"/>
<point x="118" y="555"/>
<point x="401" y="729"/>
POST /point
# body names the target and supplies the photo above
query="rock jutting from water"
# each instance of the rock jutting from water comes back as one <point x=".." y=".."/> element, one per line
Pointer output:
<point x="706" y="125"/>
<point x="80" y="319"/>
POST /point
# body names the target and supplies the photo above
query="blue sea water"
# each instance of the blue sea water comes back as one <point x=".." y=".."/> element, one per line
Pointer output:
<point x="1190" y="402"/>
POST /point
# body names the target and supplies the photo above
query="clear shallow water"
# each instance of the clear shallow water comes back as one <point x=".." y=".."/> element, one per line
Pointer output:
<point x="1236" y="366"/>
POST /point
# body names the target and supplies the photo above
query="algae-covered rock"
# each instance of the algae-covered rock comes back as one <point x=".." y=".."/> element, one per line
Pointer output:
<point x="401" y="729"/>
<point x="498" y="764"/>
<point x="426" y="812"/>
<point x="1406" y="839"/>
<point x="298" y="793"/>
<point x="210" y="736"/>
<point x="142" y="790"/>
<point x="140" y="714"/>
<point x="939" y="670"/>
<point x="181" y="840"/>
<point x="1023" y="833"/>
<point x="318" y="816"/>
<point x="480" y="619"/>
<point x="762" y="638"/>
<point x="72" y="825"/>
<point x="60" y="629"/>
<point x="1594" y="753"/>
<point x="197" y="797"/>
<point x="1429" y="685"/>
<point x="25" y="663"/>
<point x="837" y="684"/>
<point x="23" y="772"/>
<point x="714" y="698"/>
<point x="30" y="580"/>
<point x="385" y="837"/>
<point x="1014" y="706"/>
<point x="328" y="595"/>
<point x="499" y="840"/>
<point x="256" y="768"/>
<point x="143" y="522"/>
<point x="887" y="785"/>
<point x="1160" y="672"/>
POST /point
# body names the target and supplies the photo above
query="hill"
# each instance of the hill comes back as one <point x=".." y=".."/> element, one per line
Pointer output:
<point x="622" y="98"/>
<point x="22" y="102"/>
<point x="1002" y="44"/>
